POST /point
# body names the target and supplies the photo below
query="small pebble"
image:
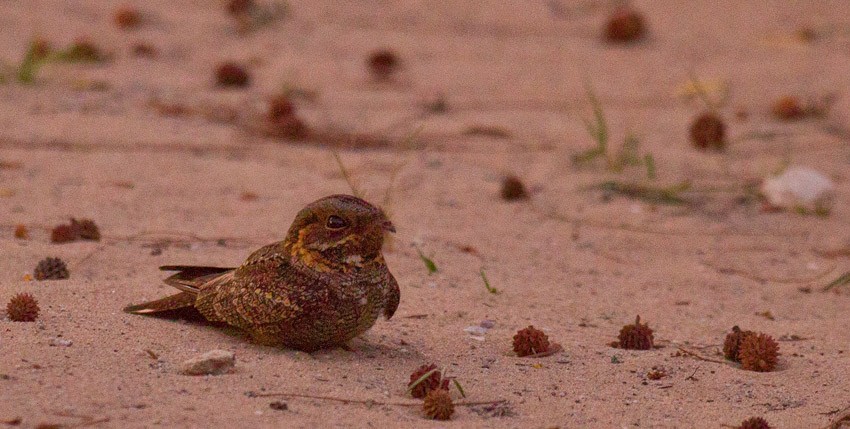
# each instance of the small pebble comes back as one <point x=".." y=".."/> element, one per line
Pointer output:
<point x="214" y="362"/>
<point x="800" y="187"/>
<point x="60" y="342"/>
<point x="475" y="330"/>
<point x="279" y="405"/>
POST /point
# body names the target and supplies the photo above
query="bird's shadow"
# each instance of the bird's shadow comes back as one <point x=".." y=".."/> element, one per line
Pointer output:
<point x="368" y="346"/>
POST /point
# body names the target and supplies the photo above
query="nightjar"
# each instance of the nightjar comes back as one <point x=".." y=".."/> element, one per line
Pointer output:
<point x="323" y="285"/>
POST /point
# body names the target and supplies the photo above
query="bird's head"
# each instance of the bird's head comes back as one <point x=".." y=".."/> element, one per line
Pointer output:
<point x="338" y="231"/>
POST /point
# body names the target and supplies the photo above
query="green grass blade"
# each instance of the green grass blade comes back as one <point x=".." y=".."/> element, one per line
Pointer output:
<point x="420" y="380"/>
<point x="429" y="264"/>
<point x="490" y="289"/>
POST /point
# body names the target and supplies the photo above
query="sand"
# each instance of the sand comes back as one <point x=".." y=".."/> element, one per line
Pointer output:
<point x="204" y="187"/>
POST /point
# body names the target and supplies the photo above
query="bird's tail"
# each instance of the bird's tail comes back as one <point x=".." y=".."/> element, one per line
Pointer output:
<point x="169" y="303"/>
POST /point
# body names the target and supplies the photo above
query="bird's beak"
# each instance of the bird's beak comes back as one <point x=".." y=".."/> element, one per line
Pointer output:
<point x="388" y="226"/>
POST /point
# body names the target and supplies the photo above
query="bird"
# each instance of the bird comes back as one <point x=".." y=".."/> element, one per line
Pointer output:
<point x="325" y="283"/>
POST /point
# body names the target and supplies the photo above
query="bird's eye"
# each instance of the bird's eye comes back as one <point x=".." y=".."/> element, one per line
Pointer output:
<point x="336" y="222"/>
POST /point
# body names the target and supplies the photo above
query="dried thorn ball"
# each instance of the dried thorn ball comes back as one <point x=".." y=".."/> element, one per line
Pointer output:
<point x="656" y="374"/>
<point x="754" y="423"/>
<point x="636" y="337"/>
<point x="530" y="341"/>
<point x="21" y="232"/>
<point x="732" y="343"/>
<point x="86" y="229"/>
<point x="127" y="18"/>
<point x="281" y="107"/>
<point x="513" y="189"/>
<point x="63" y="234"/>
<point x="41" y="48"/>
<point x="22" y="308"/>
<point x="83" y="229"/>
<point x="383" y="64"/>
<point x="232" y="75"/>
<point x="438" y="405"/>
<point x="708" y="131"/>
<point x="144" y="50"/>
<point x="759" y="352"/>
<point x="84" y="50"/>
<point x="240" y="7"/>
<point x="291" y="127"/>
<point x="788" y="109"/>
<point x="51" y="269"/>
<point x="435" y="381"/>
<point x="284" y="121"/>
<point x="625" y="25"/>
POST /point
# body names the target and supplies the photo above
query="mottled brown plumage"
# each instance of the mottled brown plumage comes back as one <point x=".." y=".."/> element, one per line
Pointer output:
<point x="323" y="285"/>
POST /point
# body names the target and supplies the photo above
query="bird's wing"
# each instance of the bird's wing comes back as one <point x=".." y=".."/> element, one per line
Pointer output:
<point x="264" y="290"/>
<point x="190" y="278"/>
<point x="392" y="296"/>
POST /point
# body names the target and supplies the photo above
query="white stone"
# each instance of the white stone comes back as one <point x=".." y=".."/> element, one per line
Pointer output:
<point x="475" y="330"/>
<point x="800" y="187"/>
<point x="213" y="362"/>
<point x="61" y="342"/>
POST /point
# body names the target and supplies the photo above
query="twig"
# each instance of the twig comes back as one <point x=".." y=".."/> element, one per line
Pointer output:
<point x="840" y="281"/>
<point x="692" y="376"/>
<point x="85" y="420"/>
<point x="552" y="214"/>
<point x="696" y="356"/>
<point x="369" y="401"/>
<point x="838" y="422"/>
<point x="764" y="279"/>
<point x="554" y="348"/>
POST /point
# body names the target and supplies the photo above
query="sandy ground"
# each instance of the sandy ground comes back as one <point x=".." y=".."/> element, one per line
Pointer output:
<point x="88" y="141"/>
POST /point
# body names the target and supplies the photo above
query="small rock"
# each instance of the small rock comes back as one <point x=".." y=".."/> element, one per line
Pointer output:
<point x="799" y="187"/>
<point x="279" y="405"/>
<point x="475" y="330"/>
<point x="60" y="342"/>
<point x="487" y="324"/>
<point x="214" y="362"/>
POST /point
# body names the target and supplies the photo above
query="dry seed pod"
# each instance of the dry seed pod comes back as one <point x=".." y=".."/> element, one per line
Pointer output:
<point x="22" y="308"/>
<point x="759" y="352"/>
<point x="435" y="381"/>
<point x="232" y="75"/>
<point x="283" y="120"/>
<point x="754" y="423"/>
<point x="530" y="341"/>
<point x="383" y="64"/>
<point x="238" y="8"/>
<point x="732" y="343"/>
<point x="51" y="269"/>
<point x="636" y="337"/>
<point x="127" y="18"/>
<point x="708" y="131"/>
<point x="86" y="229"/>
<point x="625" y="25"/>
<point x="788" y="108"/>
<point x="513" y="189"/>
<point x="21" y="232"/>
<point x="438" y="405"/>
